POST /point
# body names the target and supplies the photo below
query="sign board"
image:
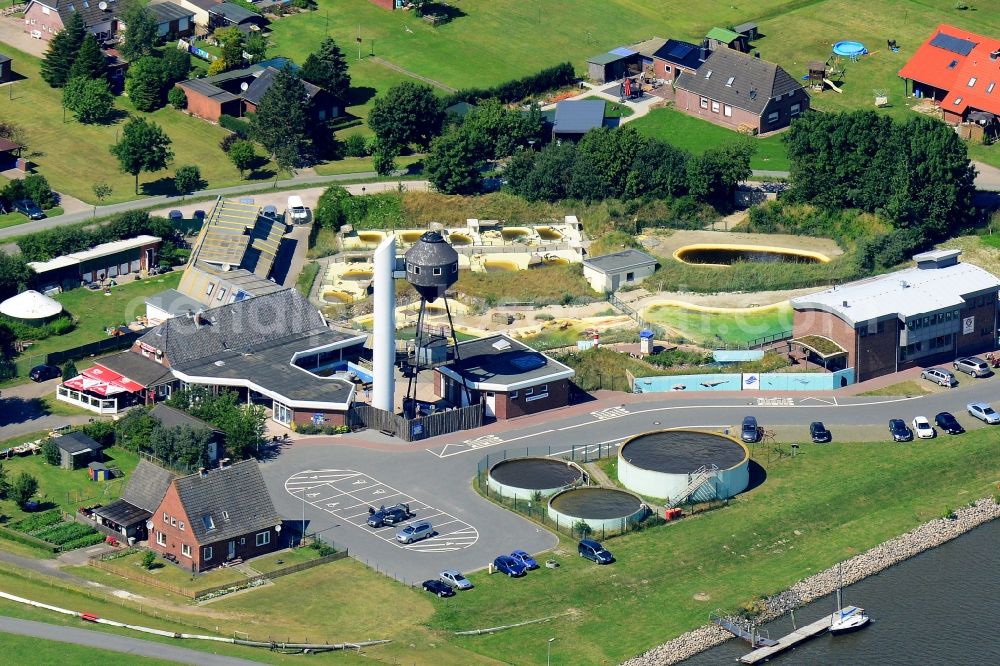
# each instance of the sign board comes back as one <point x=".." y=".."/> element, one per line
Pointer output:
<point x="751" y="381"/>
<point x="319" y="419"/>
<point x="148" y="347"/>
<point x="969" y="325"/>
<point x="416" y="430"/>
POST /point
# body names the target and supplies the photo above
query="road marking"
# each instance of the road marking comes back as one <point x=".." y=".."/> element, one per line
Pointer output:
<point x="352" y="485"/>
<point x="822" y="401"/>
<point x="610" y="413"/>
<point x="775" y="402"/>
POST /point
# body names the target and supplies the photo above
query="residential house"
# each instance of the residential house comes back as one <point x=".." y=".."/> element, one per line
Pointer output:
<point x="228" y="15"/>
<point x="959" y="70"/>
<point x="216" y="516"/>
<point x="574" y="118"/>
<point x="45" y="18"/>
<point x="127" y="517"/>
<point x="741" y="92"/>
<point x="935" y="312"/>
<point x="198" y="8"/>
<point x="675" y="57"/>
<point x="76" y="450"/>
<point x="172" y="20"/>
<point x="611" y="272"/>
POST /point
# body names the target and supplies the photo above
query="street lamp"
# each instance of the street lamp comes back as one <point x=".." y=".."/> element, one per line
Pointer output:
<point x="548" y="652"/>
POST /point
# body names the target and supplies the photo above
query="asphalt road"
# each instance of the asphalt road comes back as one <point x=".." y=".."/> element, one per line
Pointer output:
<point x="436" y="475"/>
<point x="116" y="643"/>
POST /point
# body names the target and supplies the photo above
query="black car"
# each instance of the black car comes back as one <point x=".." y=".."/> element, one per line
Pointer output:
<point x="750" y="431"/>
<point x="947" y="422"/>
<point x="819" y="433"/>
<point x="198" y="215"/>
<point x="29" y="209"/>
<point x="438" y="587"/>
<point x="41" y="373"/>
<point x="900" y="431"/>
<point x="388" y="516"/>
<point x="595" y="552"/>
<point x="175" y="216"/>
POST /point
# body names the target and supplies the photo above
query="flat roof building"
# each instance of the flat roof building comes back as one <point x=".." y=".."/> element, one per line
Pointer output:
<point x="99" y="263"/>
<point x="610" y="272"/>
<point x="574" y="118"/>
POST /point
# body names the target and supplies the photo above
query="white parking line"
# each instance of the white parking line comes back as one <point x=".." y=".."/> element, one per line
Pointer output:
<point x="341" y="492"/>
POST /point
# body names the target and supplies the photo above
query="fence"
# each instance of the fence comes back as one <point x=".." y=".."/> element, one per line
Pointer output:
<point x="757" y="343"/>
<point x="411" y="430"/>
<point x="124" y="341"/>
<point x="628" y="310"/>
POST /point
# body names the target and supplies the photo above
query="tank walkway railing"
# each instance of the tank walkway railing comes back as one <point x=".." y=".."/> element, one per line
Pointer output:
<point x="698" y="478"/>
<point x="631" y="312"/>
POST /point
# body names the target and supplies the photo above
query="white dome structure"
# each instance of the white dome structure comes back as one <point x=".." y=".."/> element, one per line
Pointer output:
<point x="30" y="305"/>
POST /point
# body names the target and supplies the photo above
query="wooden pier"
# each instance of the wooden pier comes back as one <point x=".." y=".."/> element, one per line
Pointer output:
<point x="791" y="640"/>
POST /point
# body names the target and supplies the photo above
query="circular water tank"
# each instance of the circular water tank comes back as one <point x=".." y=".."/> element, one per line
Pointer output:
<point x="431" y="266"/>
<point x="521" y="478"/>
<point x="604" y="509"/>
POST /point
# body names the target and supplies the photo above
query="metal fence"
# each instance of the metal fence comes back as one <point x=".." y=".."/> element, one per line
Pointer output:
<point x="411" y="430"/>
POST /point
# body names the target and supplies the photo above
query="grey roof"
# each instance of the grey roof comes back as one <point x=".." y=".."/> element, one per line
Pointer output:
<point x="682" y="54"/>
<point x="903" y="294"/>
<point x="204" y="4"/>
<point x="501" y="363"/>
<point x="233" y="13"/>
<point x="123" y="513"/>
<point x="255" y="93"/>
<point x="76" y="442"/>
<point x="224" y="503"/>
<point x="166" y="12"/>
<point x="579" y="116"/>
<point x="133" y="365"/>
<point x="171" y="417"/>
<point x="206" y="88"/>
<point x="460" y="109"/>
<point x="606" y="58"/>
<point x="173" y="302"/>
<point x="89" y="10"/>
<point x="4" y="58"/>
<point x="745" y="27"/>
<point x="147" y="485"/>
<point x="754" y="81"/>
<point x="620" y="261"/>
<point x="649" y="47"/>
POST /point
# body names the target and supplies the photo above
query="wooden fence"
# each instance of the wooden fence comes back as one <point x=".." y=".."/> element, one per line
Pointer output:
<point x="411" y="430"/>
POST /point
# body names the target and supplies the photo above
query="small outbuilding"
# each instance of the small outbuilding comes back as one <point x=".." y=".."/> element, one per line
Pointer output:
<point x="172" y="20"/>
<point x="574" y="118"/>
<point x="611" y="272"/>
<point x="144" y="491"/>
<point x="748" y="30"/>
<point x="77" y="450"/>
<point x="31" y="306"/>
<point x="5" y="69"/>
<point x="611" y="66"/>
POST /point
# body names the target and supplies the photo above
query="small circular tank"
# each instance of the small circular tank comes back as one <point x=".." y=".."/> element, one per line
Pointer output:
<point x="605" y="509"/>
<point x="521" y="478"/>
<point x="431" y="266"/>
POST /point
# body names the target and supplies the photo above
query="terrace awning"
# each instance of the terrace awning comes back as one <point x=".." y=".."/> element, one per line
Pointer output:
<point x="104" y="374"/>
<point x="101" y="381"/>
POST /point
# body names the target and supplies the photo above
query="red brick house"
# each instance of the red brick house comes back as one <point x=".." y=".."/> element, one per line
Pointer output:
<point x="510" y="378"/>
<point x="45" y="18"/>
<point x="741" y="92"/>
<point x="676" y="57"/>
<point x="216" y="516"/>
<point x="935" y="312"/>
<point x="957" y="69"/>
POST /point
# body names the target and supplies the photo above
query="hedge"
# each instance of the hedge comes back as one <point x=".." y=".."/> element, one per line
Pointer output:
<point x="239" y="127"/>
<point x="518" y="89"/>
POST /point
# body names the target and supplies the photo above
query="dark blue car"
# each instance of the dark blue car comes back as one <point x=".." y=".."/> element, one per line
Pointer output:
<point x="506" y="564"/>
<point x="595" y="552"/>
<point x="525" y="559"/>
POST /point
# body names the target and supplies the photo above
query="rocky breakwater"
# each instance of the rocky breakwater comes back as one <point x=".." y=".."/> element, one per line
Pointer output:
<point x="881" y="557"/>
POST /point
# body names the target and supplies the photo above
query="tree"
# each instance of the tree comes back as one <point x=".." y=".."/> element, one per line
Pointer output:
<point x="145" y="83"/>
<point x="177" y="98"/>
<point x="90" y="100"/>
<point x="408" y="113"/>
<point x="256" y="45"/>
<point x="327" y="68"/>
<point x="231" y="40"/>
<point x="506" y="129"/>
<point x="50" y="452"/>
<point x="176" y="65"/>
<point x="242" y="155"/>
<point x="69" y="370"/>
<point x="133" y="431"/>
<point x="187" y="179"/>
<point x="384" y="159"/>
<point x="330" y="210"/>
<point x="15" y="274"/>
<point x="281" y="124"/>
<point x="143" y="147"/>
<point x="101" y="191"/>
<point x="63" y="48"/>
<point x="90" y="62"/>
<point x="23" y="488"/>
<point x="713" y="175"/>
<point x="4" y="483"/>
<point x="13" y="132"/>
<point x="141" y="33"/>
<point x="148" y="559"/>
<point x="456" y="159"/>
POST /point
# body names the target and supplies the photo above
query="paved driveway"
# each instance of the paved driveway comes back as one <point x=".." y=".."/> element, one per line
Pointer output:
<point x="12" y="32"/>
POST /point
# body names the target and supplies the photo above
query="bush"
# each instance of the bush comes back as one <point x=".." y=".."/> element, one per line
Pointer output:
<point x="322" y="547"/>
<point x="355" y="146"/>
<point x="148" y="559"/>
<point x="235" y="125"/>
<point x="544" y="316"/>
<point x="50" y="451"/>
<point x="518" y="89"/>
<point x="102" y="432"/>
<point x="310" y="429"/>
<point x="177" y="98"/>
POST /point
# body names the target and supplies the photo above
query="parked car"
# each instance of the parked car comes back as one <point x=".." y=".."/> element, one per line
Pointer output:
<point x="506" y="564"/>
<point x="270" y="212"/>
<point x="594" y="551"/>
<point x="388" y="516"/>
<point x="984" y="412"/>
<point x="455" y="579"/>
<point x="819" y="433"/>
<point x="415" y="532"/>
<point x="947" y="422"/>
<point x="297" y="211"/>
<point x="939" y="376"/>
<point x="438" y="588"/>
<point x="175" y="216"/>
<point x="750" y="431"/>
<point x="29" y="209"/>
<point x="973" y="366"/>
<point x="900" y="431"/>
<point x="527" y="560"/>
<point x="923" y="428"/>
<point x="41" y="373"/>
<point x="198" y="215"/>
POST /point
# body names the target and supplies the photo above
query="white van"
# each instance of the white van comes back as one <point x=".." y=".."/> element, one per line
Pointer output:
<point x="297" y="212"/>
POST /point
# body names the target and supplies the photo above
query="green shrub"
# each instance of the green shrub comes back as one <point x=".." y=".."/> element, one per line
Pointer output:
<point x="177" y="98"/>
<point x="235" y="125"/>
<point x="310" y="429"/>
<point x="148" y="559"/>
<point x="227" y="142"/>
<point x="518" y="89"/>
<point x="544" y="316"/>
<point x="50" y="451"/>
<point x="355" y="146"/>
<point x="322" y="547"/>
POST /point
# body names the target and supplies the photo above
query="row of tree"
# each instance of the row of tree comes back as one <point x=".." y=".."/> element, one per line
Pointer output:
<point x="181" y="448"/>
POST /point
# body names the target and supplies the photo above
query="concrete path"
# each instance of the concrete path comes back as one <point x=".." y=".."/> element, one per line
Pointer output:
<point x="116" y="643"/>
<point x="48" y="568"/>
<point x="12" y="31"/>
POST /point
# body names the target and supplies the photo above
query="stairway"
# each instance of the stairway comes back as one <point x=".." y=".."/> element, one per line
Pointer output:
<point x="698" y="478"/>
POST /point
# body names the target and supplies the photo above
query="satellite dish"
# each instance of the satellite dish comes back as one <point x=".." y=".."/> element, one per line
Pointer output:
<point x="244" y="86"/>
<point x="103" y="6"/>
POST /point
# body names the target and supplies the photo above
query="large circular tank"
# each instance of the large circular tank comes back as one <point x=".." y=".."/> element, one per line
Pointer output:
<point x="431" y="265"/>
<point x="521" y="478"/>
<point x="605" y="509"/>
<point x="665" y="462"/>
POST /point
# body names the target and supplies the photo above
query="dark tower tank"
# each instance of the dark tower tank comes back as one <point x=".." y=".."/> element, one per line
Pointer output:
<point x="431" y="266"/>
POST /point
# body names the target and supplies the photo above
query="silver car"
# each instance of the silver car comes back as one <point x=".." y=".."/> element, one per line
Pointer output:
<point x="415" y="532"/>
<point x="973" y="365"/>
<point x="983" y="412"/>
<point x="939" y="376"/>
<point x="455" y="579"/>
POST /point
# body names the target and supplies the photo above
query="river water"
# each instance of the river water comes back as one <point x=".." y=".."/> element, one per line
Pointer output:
<point x="941" y="607"/>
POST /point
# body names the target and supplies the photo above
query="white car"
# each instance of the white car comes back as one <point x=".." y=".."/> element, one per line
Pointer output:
<point x="983" y="412"/>
<point x="923" y="429"/>
<point x="297" y="210"/>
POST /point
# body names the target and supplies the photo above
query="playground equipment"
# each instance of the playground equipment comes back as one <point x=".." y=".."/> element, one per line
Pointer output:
<point x="817" y="75"/>
<point x="832" y="86"/>
<point x="849" y="49"/>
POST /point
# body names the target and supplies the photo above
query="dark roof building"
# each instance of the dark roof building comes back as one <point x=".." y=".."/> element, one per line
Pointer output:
<point x="77" y="450"/>
<point x="574" y="118"/>
<point x="172" y="20"/>
<point x="5" y="75"/>
<point x="170" y="418"/>
<point x="228" y="15"/>
<point x="169" y="303"/>
<point x="147" y="485"/>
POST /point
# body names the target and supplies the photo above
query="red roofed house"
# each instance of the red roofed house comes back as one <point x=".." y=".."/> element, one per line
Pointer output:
<point x="957" y="69"/>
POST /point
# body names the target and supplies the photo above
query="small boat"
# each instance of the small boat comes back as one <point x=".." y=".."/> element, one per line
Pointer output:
<point x="849" y="619"/>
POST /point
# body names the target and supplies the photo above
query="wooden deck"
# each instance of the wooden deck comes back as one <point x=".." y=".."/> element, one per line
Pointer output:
<point x="791" y="640"/>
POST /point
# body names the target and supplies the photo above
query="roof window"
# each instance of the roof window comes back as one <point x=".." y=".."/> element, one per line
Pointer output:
<point x="209" y="523"/>
<point x="708" y="74"/>
<point x="729" y="81"/>
<point x="990" y="87"/>
<point x="225" y="515"/>
<point x="958" y="100"/>
<point x="972" y="81"/>
<point x="953" y="64"/>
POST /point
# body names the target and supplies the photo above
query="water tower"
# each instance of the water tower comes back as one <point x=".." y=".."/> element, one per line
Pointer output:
<point x="431" y="267"/>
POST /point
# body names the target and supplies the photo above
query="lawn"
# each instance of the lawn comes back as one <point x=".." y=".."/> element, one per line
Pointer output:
<point x="283" y="559"/>
<point x="14" y="219"/>
<point x="710" y="327"/>
<point x="40" y="652"/>
<point x="908" y="388"/>
<point x="613" y="109"/>
<point x="172" y="574"/>
<point x="306" y="278"/>
<point x="549" y="284"/>
<point x="605" y="369"/>
<point x="696" y="136"/>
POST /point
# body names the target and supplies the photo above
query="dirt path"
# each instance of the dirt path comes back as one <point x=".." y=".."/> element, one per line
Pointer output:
<point x="397" y="68"/>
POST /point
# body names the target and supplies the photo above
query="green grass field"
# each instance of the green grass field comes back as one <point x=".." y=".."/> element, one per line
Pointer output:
<point x="696" y="136"/>
<point x="31" y="650"/>
<point x="711" y="328"/>
<point x="14" y="219"/>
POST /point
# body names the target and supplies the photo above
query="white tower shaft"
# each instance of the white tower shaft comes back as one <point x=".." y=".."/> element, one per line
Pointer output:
<point x="384" y="343"/>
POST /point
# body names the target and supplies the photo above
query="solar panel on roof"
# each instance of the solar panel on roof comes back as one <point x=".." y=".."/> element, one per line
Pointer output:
<point x="962" y="47"/>
<point x="680" y="50"/>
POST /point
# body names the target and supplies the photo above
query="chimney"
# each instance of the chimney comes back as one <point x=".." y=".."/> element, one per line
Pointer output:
<point x="199" y="319"/>
<point x="705" y="50"/>
<point x="994" y="55"/>
<point x="845" y="304"/>
<point x="202" y="472"/>
<point x="224" y="463"/>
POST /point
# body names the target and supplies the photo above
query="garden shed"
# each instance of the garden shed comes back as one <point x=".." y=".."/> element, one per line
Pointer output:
<point x="77" y="450"/>
<point x="610" y="66"/>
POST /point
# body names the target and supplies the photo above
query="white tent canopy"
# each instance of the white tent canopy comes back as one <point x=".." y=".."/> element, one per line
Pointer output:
<point x="30" y="305"/>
